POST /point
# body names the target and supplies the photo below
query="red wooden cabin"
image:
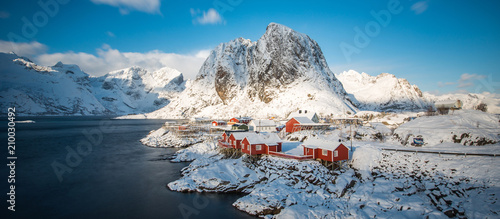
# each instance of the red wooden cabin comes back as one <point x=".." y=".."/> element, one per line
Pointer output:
<point x="244" y="120"/>
<point x="329" y="151"/>
<point x="219" y="123"/>
<point x="261" y="144"/>
<point x="225" y="138"/>
<point x="235" y="139"/>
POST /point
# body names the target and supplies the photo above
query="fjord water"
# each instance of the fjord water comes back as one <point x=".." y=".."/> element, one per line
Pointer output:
<point x="118" y="178"/>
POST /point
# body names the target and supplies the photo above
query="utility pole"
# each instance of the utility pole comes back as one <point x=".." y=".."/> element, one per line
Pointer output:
<point x="350" y="130"/>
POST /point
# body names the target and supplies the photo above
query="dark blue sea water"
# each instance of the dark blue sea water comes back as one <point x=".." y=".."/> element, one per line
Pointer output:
<point x="112" y="174"/>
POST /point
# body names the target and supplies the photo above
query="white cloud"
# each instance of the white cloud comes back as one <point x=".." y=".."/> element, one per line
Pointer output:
<point x="475" y="83"/>
<point x="125" y="6"/>
<point x="420" y="7"/>
<point x="468" y="80"/>
<point x="109" y="59"/>
<point x="203" y="54"/>
<point x="371" y="67"/>
<point x="110" y="34"/>
<point x="470" y="77"/>
<point x="23" y="49"/>
<point x="206" y="17"/>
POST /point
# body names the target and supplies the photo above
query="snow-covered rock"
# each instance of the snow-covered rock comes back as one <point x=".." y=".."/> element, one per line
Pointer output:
<point x="164" y="137"/>
<point x="281" y="72"/>
<point x="195" y="151"/>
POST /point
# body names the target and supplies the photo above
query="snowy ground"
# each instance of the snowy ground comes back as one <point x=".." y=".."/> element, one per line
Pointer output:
<point x="374" y="183"/>
<point x="392" y="120"/>
<point x="467" y="127"/>
<point x="194" y="152"/>
<point x="377" y="184"/>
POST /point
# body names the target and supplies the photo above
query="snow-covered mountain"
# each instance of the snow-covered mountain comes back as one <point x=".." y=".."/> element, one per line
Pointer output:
<point x="384" y="92"/>
<point x="136" y="90"/>
<point x="38" y="90"/>
<point x="281" y="72"/>
<point x="66" y="90"/>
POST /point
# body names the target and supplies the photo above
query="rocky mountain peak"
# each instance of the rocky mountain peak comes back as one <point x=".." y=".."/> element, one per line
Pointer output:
<point x="265" y="72"/>
<point x="279" y="31"/>
<point x="382" y="75"/>
<point x="277" y="59"/>
<point x="59" y="64"/>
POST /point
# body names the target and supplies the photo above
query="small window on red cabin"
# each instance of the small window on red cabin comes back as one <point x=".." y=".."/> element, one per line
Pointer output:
<point x="336" y="153"/>
<point x="324" y="152"/>
<point x="258" y="147"/>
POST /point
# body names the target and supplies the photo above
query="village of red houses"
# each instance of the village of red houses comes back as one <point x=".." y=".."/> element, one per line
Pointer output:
<point x="258" y="137"/>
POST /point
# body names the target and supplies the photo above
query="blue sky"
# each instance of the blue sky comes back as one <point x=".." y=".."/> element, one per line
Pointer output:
<point x="442" y="46"/>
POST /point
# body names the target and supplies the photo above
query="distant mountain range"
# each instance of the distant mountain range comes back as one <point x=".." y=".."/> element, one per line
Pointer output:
<point x="385" y="92"/>
<point x="67" y="90"/>
<point x="280" y="73"/>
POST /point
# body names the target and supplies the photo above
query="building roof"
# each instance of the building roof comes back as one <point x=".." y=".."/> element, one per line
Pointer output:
<point x="346" y="119"/>
<point x="322" y="144"/>
<point x="219" y="121"/>
<point x="263" y="123"/>
<point x="303" y="120"/>
<point x="200" y="119"/>
<point x="242" y="118"/>
<point x="264" y="138"/>
<point x="242" y="135"/>
<point x="302" y="113"/>
<point x="446" y="102"/>
<point x="307" y="122"/>
<point x="239" y="124"/>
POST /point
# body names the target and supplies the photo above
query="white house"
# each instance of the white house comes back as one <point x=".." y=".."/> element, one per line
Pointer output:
<point x="304" y="113"/>
<point x="262" y="125"/>
<point x="449" y="104"/>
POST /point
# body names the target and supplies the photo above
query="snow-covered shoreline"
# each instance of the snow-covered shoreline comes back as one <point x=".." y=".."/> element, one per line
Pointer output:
<point x="377" y="183"/>
<point x="373" y="183"/>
